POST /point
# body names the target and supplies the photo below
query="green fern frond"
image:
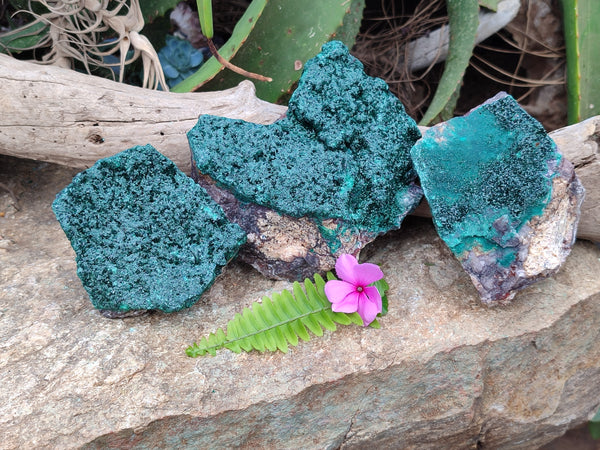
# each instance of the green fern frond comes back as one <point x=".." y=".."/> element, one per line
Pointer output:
<point x="280" y="320"/>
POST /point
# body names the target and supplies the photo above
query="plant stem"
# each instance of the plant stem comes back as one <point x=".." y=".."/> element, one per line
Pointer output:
<point x="233" y="67"/>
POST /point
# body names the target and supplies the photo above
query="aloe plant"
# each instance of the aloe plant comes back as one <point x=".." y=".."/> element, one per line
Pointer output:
<point x="489" y="4"/>
<point x="212" y="66"/>
<point x="23" y="38"/>
<point x="582" y="39"/>
<point x="206" y="18"/>
<point x="278" y="37"/>
<point x="464" y="19"/>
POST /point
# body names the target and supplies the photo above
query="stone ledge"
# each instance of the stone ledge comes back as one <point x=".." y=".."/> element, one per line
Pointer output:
<point x="442" y="371"/>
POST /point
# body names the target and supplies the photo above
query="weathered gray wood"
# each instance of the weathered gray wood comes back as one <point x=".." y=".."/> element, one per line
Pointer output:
<point x="62" y="116"/>
<point x="579" y="144"/>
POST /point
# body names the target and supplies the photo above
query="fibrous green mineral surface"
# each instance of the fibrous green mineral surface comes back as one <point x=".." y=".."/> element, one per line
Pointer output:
<point x="341" y="152"/>
<point x="146" y="235"/>
<point x="485" y="175"/>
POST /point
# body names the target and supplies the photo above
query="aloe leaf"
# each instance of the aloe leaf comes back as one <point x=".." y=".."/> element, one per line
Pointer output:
<point x="206" y="17"/>
<point x="24" y="37"/>
<point x="286" y="35"/>
<point x="464" y="19"/>
<point x="492" y="5"/>
<point x="212" y="67"/>
<point x="282" y="319"/>
<point x="594" y="428"/>
<point x="582" y="39"/>
<point x="447" y="112"/>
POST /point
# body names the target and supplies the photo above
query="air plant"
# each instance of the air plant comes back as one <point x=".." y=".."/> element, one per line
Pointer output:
<point x="76" y="30"/>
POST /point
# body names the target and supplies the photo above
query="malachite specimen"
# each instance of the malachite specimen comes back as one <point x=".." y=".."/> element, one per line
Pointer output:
<point x="502" y="197"/>
<point x="341" y="152"/>
<point x="145" y="234"/>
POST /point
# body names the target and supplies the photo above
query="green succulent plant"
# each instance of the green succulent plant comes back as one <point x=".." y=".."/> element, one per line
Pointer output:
<point x="179" y="59"/>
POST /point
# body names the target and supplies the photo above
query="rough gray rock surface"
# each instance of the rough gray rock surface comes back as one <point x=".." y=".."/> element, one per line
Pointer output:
<point x="442" y="372"/>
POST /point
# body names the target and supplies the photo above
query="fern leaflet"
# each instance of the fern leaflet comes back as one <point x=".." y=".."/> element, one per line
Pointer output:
<point x="280" y="320"/>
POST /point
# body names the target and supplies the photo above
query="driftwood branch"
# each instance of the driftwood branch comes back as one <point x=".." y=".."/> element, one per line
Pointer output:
<point x="65" y="117"/>
<point x="61" y="116"/>
<point x="579" y="143"/>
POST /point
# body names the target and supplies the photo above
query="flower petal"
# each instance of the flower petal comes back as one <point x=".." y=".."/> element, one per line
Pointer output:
<point x="367" y="309"/>
<point x="337" y="290"/>
<point x="366" y="273"/>
<point x="348" y="305"/>
<point x="374" y="296"/>
<point x="344" y="268"/>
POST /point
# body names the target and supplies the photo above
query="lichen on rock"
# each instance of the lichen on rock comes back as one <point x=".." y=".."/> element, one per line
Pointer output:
<point x="146" y="236"/>
<point x="502" y="197"/>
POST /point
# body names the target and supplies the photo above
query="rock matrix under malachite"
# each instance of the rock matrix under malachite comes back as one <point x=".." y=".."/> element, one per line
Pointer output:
<point x="145" y="234"/>
<point x="338" y="162"/>
<point x="280" y="246"/>
<point x="502" y="197"/>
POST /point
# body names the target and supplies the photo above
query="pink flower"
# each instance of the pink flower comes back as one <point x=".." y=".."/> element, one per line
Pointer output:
<point x="352" y="293"/>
